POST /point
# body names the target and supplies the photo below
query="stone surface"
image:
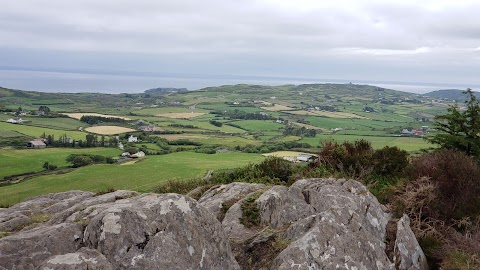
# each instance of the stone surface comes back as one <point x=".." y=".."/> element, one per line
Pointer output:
<point x="313" y="224"/>
<point x="83" y="259"/>
<point x="120" y="230"/>
<point x="408" y="254"/>
<point x="224" y="196"/>
<point x="27" y="250"/>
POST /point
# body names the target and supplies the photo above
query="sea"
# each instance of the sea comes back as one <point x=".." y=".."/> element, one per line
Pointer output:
<point x="72" y="82"/>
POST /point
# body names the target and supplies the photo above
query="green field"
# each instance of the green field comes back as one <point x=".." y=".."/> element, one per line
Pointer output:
<point x="54" y="123"/>
<point x="405" y="143"/>
<point x="141" y="176"/>
<point x="21" y="161"/>
<point x="38" y="131"/>
<point x="258" y="125"/>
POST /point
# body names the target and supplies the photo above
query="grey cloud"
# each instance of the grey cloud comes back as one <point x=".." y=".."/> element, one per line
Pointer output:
<point x="398" y="40"/>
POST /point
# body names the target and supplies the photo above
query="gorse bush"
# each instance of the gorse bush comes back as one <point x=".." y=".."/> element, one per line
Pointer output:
<point x="359" y="160"/>
<point x="457" y="180"/>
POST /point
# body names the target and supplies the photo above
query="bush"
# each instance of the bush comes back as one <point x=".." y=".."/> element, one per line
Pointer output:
<point x="390" y="161"/>
<point x="250" y="212"/>
<point x="457" y="180"/>
<point x="351" y="159"/>
<point x="49" y="167"/>
<point x="80" y="160"/>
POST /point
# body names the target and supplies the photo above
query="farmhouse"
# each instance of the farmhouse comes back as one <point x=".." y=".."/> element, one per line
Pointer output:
<point x="36" y="144"/>
<point x="306" y="158"/>
<point x="132" y="139"/>
<point x="139" y="154"/>
<point x="15" y="120"/>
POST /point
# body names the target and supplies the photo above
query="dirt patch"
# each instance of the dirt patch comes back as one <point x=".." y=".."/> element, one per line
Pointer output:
<point x="128" y="162"/>
<point x="108" y="130"/>
<point x="180" y="115"/>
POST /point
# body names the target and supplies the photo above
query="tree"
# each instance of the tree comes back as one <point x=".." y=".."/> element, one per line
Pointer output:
<point x="44" y="109"/>
<point x="460" y="129"/>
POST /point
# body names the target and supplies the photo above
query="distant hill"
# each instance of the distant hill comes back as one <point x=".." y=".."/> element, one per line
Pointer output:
<point x="163" y="91"/>
<point x="450" y="94"/>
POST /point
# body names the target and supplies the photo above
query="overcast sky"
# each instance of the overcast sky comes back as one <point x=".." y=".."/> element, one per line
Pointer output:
<point x="428" y="41"/>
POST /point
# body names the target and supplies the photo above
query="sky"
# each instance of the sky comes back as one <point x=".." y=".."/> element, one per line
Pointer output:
<point x="130" y="46"/>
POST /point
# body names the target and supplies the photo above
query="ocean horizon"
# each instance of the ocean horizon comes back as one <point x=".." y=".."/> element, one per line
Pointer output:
<point x="72" y="82"/>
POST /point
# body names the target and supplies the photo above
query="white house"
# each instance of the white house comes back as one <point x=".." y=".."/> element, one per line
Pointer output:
<point x="139" y="154"/>
<point x="15" y="120"/>
<point x="306" y="157"/>
<point x="132" y="139"/>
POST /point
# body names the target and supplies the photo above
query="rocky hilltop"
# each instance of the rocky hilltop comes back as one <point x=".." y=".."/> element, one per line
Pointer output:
<point x="313" y="224"/>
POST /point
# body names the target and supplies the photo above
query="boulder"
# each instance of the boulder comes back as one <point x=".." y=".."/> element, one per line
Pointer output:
<point x="153" y="231"/>
<point x="28" y="250"/>
<point x="118" y="230"/>
<point x="83" y="259"/>
<point x="218" y="199"/>
<point x="408" y="254"/>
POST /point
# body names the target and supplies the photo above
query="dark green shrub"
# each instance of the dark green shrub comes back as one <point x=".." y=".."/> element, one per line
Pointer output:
<point x="274" y="168"/>
<point x="250" y="212"/>
<point x="351" y="159"/>
<point x="390" y="161"/>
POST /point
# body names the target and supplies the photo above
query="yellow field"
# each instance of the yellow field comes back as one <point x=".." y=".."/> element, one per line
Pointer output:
<point x="328" y="114"/>
<point x="79" y="115"/>
<point x="180" y="115"/>
<point x="277" y="107"/>
<point x="108" y="130"/>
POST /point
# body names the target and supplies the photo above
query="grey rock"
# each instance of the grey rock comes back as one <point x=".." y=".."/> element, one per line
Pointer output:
<point x="152" y="231"/>
<point x="408" y="254"/>
<point x="280" y="206"/>
<point x="27" y="250"/>
<point x="235" y="230"/>
<point x="83" y="259"/>
<point x="223" y="196"/>
<point x="313" y="224"/>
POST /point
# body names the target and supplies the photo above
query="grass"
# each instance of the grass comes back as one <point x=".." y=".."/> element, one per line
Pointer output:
<point x="164" y="110"/>
<point x="405" y="143"/>
<point x="180" y="115"/>
<point x="141" y="176"/>
<point x="55" y="123"/>
<point x="10" y="134"/>
<point x="22" y="161"/>
<point x="79" y="115"/>
<point x="38" y="131"/>
<point x="362" y="124"/>
<point x="258" y="125"/>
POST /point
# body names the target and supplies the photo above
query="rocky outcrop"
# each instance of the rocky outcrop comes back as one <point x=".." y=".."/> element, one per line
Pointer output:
<point x="319" y="224"/>
<point x="313" y="224"/>
<point x="119" y="230"/>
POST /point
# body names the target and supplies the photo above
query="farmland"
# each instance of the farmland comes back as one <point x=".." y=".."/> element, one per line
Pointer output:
<point x="229" y="122"/>
<point x="79" y="115"/>
<point x="108" y="130"/>
<point x="140" y="176"/>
